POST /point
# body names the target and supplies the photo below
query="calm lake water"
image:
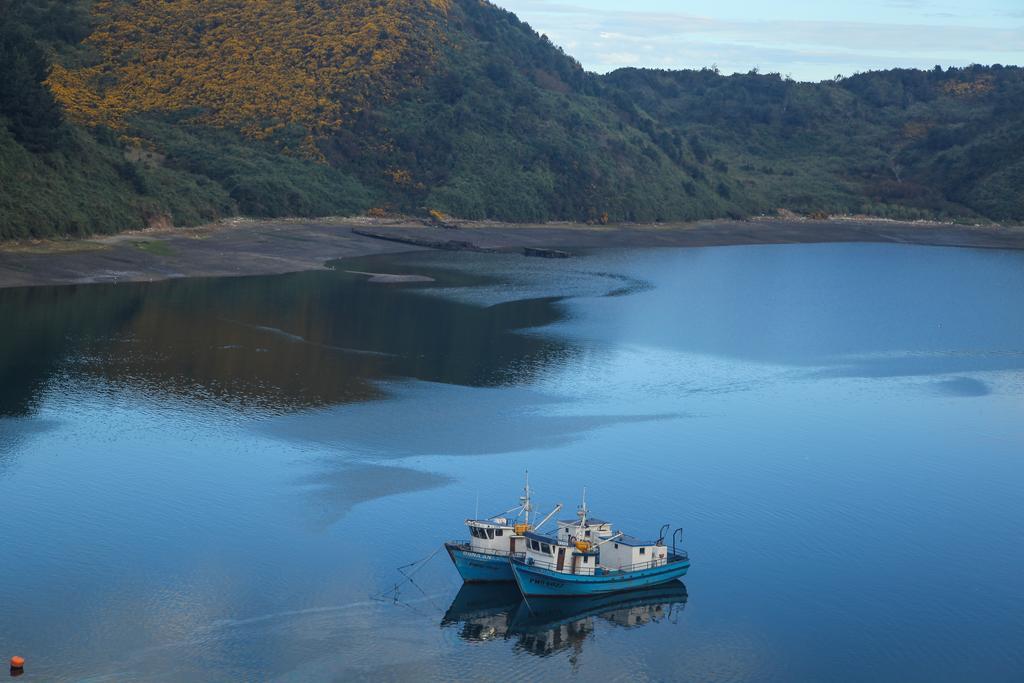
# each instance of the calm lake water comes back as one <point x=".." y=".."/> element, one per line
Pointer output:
<point x="217" y="479"/>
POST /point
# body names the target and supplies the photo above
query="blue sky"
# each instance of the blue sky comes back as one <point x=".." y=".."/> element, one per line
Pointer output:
<point x="804" y="39"/>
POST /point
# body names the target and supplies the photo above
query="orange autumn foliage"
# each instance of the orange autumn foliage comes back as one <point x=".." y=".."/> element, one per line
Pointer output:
<point x="257" y="65"/>
<point x="979" y="86"/>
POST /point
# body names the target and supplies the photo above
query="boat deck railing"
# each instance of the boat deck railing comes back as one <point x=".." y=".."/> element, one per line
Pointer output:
<point x="465" y="546"/>
<point x="673" y="558"/>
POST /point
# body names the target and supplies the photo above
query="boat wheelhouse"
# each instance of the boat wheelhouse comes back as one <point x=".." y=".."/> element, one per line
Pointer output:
<point x="484" y="557"/>
<point x="588" y="558"/>
<point x="591" y="530"/>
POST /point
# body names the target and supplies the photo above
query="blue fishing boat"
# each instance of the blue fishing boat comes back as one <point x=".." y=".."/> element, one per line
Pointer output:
<point x="586" y="557"/>
<point x="484" y="557"/>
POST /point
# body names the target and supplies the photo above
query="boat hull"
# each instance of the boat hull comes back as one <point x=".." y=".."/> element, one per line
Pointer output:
<point x="534" y="580"/>
<point x="476" y="567"/>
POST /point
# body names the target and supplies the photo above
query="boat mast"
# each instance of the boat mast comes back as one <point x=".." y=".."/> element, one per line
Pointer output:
<point x="581" y="512"/>
<point x="525" y="498"/>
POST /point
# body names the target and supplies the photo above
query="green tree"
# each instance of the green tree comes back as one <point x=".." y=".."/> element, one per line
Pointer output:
<point x="32" y="115"/>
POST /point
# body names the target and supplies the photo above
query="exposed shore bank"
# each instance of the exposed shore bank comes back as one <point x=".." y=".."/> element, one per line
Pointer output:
<point x="266" y="247"/>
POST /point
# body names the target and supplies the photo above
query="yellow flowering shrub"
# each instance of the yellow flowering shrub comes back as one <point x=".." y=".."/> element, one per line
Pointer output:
<point x="258" y="65"/>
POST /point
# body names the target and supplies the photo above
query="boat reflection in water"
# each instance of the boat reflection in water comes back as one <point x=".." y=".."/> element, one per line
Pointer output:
<point x="544" y="626"/>
<point x="483" y="610"/>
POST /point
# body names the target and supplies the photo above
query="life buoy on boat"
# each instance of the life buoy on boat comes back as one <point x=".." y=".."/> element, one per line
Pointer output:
<point x="583" y="546"/>
<point x="521" y="529"/>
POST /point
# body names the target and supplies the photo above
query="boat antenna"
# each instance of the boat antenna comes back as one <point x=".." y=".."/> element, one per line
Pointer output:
<point x="525" y="498"/>
<point x="476" y="513"/>
<point x="582" y="511"/>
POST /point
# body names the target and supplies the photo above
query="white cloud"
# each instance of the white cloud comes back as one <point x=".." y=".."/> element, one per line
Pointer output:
<point x="807" y="49"/>
<point x="624" y="58"/>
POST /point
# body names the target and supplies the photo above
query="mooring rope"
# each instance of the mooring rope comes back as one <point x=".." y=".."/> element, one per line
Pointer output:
<point x="419" y="564"/>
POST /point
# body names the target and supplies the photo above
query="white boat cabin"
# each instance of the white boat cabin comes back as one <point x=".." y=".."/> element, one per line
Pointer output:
<point x="626" y="551"/>
<point x="503" y="533"/>
<point x="593" y="530"/>
<point x="551" y="553"/>
<point x="601" y="551"/>
<point x="497" y="535"/>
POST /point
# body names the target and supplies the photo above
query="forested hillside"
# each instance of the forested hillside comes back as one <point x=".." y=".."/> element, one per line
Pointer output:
<point x="901" y="143"/>
<point x="117" y="114"/>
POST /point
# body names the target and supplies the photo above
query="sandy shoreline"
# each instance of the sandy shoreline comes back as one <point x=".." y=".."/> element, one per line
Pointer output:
<point x="247" y="247"/>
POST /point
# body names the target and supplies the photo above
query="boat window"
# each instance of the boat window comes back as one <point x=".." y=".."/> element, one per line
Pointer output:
<point x="534" y="545"/>
<point x="616" y="546"/>
<point x="588" y="533"/>
<point x="643" y="551"/>
<point x="499" y="532"/>
<point x="490" y="533"/>
<point x="585" y="560"/>
<point x="545" y="548"/>
<point x="472" y="531"/>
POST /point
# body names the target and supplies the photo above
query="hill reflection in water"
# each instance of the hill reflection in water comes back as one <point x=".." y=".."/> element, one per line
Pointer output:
<point x="282" y="343"/>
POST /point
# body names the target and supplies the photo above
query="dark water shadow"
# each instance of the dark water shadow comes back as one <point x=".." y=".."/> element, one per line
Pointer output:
<point x="429" y="419"/>
<point x="629" y="285"/>
<point x="919" y="365"/>
<point x="966" y="387"/>
<point x="336" y="486"/>
<point x="15" y="432"/>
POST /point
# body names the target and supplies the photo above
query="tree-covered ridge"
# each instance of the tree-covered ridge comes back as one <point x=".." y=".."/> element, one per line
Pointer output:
<point x="511" y="128"/>
<point x="259" y="65"/>
<point x="905" y="143"/>
<point x="190" y="111"/>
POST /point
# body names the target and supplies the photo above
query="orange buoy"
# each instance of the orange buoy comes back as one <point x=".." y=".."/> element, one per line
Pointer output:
<point x="17" y="662"/>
